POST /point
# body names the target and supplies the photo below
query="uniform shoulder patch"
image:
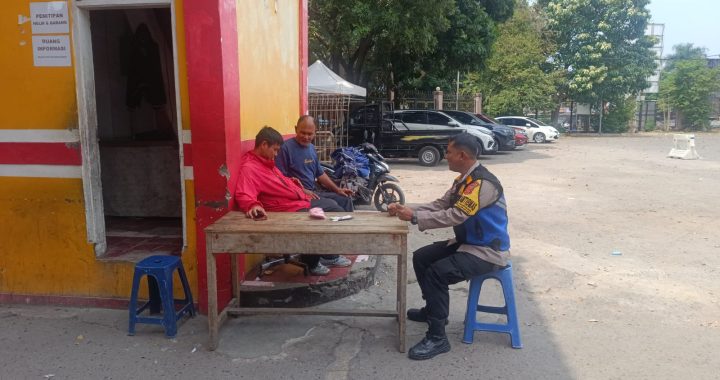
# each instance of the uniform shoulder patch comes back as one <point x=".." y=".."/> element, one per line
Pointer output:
<point x="469" y="201"/>
<point x="470" y="187"/>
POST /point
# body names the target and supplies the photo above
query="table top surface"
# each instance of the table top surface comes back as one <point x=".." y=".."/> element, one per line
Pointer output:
<point x="300" y="222"/>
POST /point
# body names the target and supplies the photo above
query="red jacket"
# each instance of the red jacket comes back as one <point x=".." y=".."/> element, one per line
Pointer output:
<point x="261" y="183"/>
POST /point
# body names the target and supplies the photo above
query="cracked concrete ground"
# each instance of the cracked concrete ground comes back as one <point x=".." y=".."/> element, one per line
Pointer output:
<point x="650" y="312"/>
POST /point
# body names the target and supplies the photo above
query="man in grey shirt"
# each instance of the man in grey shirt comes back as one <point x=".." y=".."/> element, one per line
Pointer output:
<point x="475" y="208"/>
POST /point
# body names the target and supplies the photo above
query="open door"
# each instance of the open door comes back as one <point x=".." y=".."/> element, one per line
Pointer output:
<point x="126" y="65"/>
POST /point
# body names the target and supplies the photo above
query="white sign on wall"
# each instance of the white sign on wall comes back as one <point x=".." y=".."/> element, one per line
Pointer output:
<point x="51" y="51"/>
<point x="49" y="17"/>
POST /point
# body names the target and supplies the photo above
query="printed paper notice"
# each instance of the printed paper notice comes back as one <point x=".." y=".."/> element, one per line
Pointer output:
<point x="49" y="17"/>
<point x="51" y="50"/>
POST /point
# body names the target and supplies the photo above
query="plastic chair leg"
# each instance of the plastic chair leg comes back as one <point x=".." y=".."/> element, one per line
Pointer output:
<point x="471" y="311"/>
<point x="132" y="307"/>
<point x="188" y="304"/>
<point x="169" y="318"/>
<point x="512" y="319"/>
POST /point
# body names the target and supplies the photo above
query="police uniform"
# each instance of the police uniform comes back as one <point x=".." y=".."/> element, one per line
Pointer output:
<point x="475" y="207"/>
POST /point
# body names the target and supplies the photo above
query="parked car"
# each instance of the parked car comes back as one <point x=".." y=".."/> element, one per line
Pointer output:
<point x="521" y="137"/>
<point x="537" y="130"/>
<point x="379" y="125"/>
<point x="504" y="135"/>
<point x="437" y="120"/>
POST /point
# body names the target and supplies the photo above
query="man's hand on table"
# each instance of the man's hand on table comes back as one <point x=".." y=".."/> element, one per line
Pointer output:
<point x="256" y="212"/>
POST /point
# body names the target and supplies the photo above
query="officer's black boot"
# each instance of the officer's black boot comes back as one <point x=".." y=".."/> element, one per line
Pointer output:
<point x="434" y="343"/>
<point x="419" y="315"/>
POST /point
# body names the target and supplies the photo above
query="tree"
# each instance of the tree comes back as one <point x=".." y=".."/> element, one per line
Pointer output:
<point x="384" y="44"/>
<point x="686" y="84"/>
<point x="682" y="52"/>
<point x="465" y="46"/>
<point x="517" y="76"/>
<point x="602" y="47"/>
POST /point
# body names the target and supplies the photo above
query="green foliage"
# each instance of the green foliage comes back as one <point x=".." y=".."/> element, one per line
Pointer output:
<point x="516" y="78"/>
<point x="686" y="87"/>
<point x="619" y="115"/>
<point x="683" y="52"/>
<point x="348" y="34"/>
<point x="650" y="124"/>
<point x="602" y="47"/>
<point x="403" y="44"/>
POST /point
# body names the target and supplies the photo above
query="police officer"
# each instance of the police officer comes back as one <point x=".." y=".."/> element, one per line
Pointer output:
<point x="475" y="208"/>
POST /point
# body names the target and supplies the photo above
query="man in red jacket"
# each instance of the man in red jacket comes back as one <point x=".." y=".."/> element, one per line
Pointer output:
<point x="262" y="187"/>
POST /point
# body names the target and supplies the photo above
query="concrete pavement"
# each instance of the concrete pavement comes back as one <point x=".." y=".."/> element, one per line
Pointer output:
<point x="78" y="343"/>
<point x="650" y="312"/>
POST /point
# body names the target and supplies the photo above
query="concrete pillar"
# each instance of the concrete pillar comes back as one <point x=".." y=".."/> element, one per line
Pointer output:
<point x="478" y="103"/>
<point x="438" y="98"/>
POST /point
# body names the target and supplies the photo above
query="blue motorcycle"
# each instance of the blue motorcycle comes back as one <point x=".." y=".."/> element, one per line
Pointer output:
<point x="364" y="171"/>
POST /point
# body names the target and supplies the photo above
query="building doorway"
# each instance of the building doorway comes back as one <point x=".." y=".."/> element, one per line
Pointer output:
<point x="133" y="182"/>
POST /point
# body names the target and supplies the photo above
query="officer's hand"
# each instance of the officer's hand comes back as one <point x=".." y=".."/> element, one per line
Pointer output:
<point x="392" y="209"/>
<point x="404" y="212"/>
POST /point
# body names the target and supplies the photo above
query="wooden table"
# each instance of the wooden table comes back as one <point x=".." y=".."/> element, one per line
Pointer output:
<point x="368" y="233"/>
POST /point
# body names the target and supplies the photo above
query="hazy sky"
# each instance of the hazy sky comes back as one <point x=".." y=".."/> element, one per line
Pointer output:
<point x="693" y="21"/>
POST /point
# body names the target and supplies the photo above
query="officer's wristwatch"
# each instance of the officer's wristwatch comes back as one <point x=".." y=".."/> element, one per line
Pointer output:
<point x="413" y="220"/>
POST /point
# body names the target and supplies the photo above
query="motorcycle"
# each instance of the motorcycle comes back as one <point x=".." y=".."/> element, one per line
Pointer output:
<point x="371" y="184"/>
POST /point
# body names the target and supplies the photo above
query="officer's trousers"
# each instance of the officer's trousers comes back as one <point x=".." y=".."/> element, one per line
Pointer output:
<point x="438" y="265"/>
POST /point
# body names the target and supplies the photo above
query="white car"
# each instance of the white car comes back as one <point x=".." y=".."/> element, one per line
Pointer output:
<point x="437" y="120"/>
<point x="537" y="131"/>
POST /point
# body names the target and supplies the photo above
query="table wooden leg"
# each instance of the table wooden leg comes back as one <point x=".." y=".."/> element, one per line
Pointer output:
<point x="401" y="294"/>
<point x="212" y="298"/>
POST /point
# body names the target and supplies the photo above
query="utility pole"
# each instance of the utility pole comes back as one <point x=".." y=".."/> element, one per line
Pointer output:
<point x="601" y="115"/>
<point x="457" y="91"/>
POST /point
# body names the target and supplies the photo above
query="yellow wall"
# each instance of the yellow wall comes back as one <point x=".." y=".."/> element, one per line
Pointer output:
<point x="44" y="250"/>
<point x="43" y="239"/>
<point x="269" y="65"/>
<point x="269" y="75"/>
<point x="31" y="97"/>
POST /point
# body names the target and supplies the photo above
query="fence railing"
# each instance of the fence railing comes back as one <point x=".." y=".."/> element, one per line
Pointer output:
<point x="425" y="100"/>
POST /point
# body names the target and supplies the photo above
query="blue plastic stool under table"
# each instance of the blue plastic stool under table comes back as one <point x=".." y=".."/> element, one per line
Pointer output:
<point x="159" y="271"/>
<point x="509" y="310"/>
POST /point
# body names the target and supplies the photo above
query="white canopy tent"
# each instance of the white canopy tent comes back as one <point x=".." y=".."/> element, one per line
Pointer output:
<point x="322" y="80"/>
<point x="329" y="98"/>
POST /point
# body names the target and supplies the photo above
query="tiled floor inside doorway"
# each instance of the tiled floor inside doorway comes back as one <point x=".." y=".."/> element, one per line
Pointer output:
<point x="132" y="239"/>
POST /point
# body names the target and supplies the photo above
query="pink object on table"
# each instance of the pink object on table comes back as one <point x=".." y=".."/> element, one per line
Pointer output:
<point x="317" y="213"/>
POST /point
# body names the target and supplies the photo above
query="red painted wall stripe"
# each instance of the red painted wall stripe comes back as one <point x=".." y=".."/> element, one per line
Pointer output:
<point x="39" y="154"/>
<point x="187" y="155"/>
<point x="231" y="87"/>
<point x="71" y="301"/>
<point x="212" y="72"/>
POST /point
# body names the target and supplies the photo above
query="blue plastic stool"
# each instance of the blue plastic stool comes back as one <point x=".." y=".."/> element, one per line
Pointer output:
<point x="511" y="327"/>
<point x="159" y="271"/>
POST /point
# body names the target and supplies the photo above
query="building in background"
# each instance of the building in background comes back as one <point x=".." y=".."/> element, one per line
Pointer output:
<point x="647" y="105"/>
<point x="655" y="30"/>
<point x="121" y="125"/>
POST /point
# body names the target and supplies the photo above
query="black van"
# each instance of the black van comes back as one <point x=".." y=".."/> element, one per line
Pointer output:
<point x="384" y="128"/>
